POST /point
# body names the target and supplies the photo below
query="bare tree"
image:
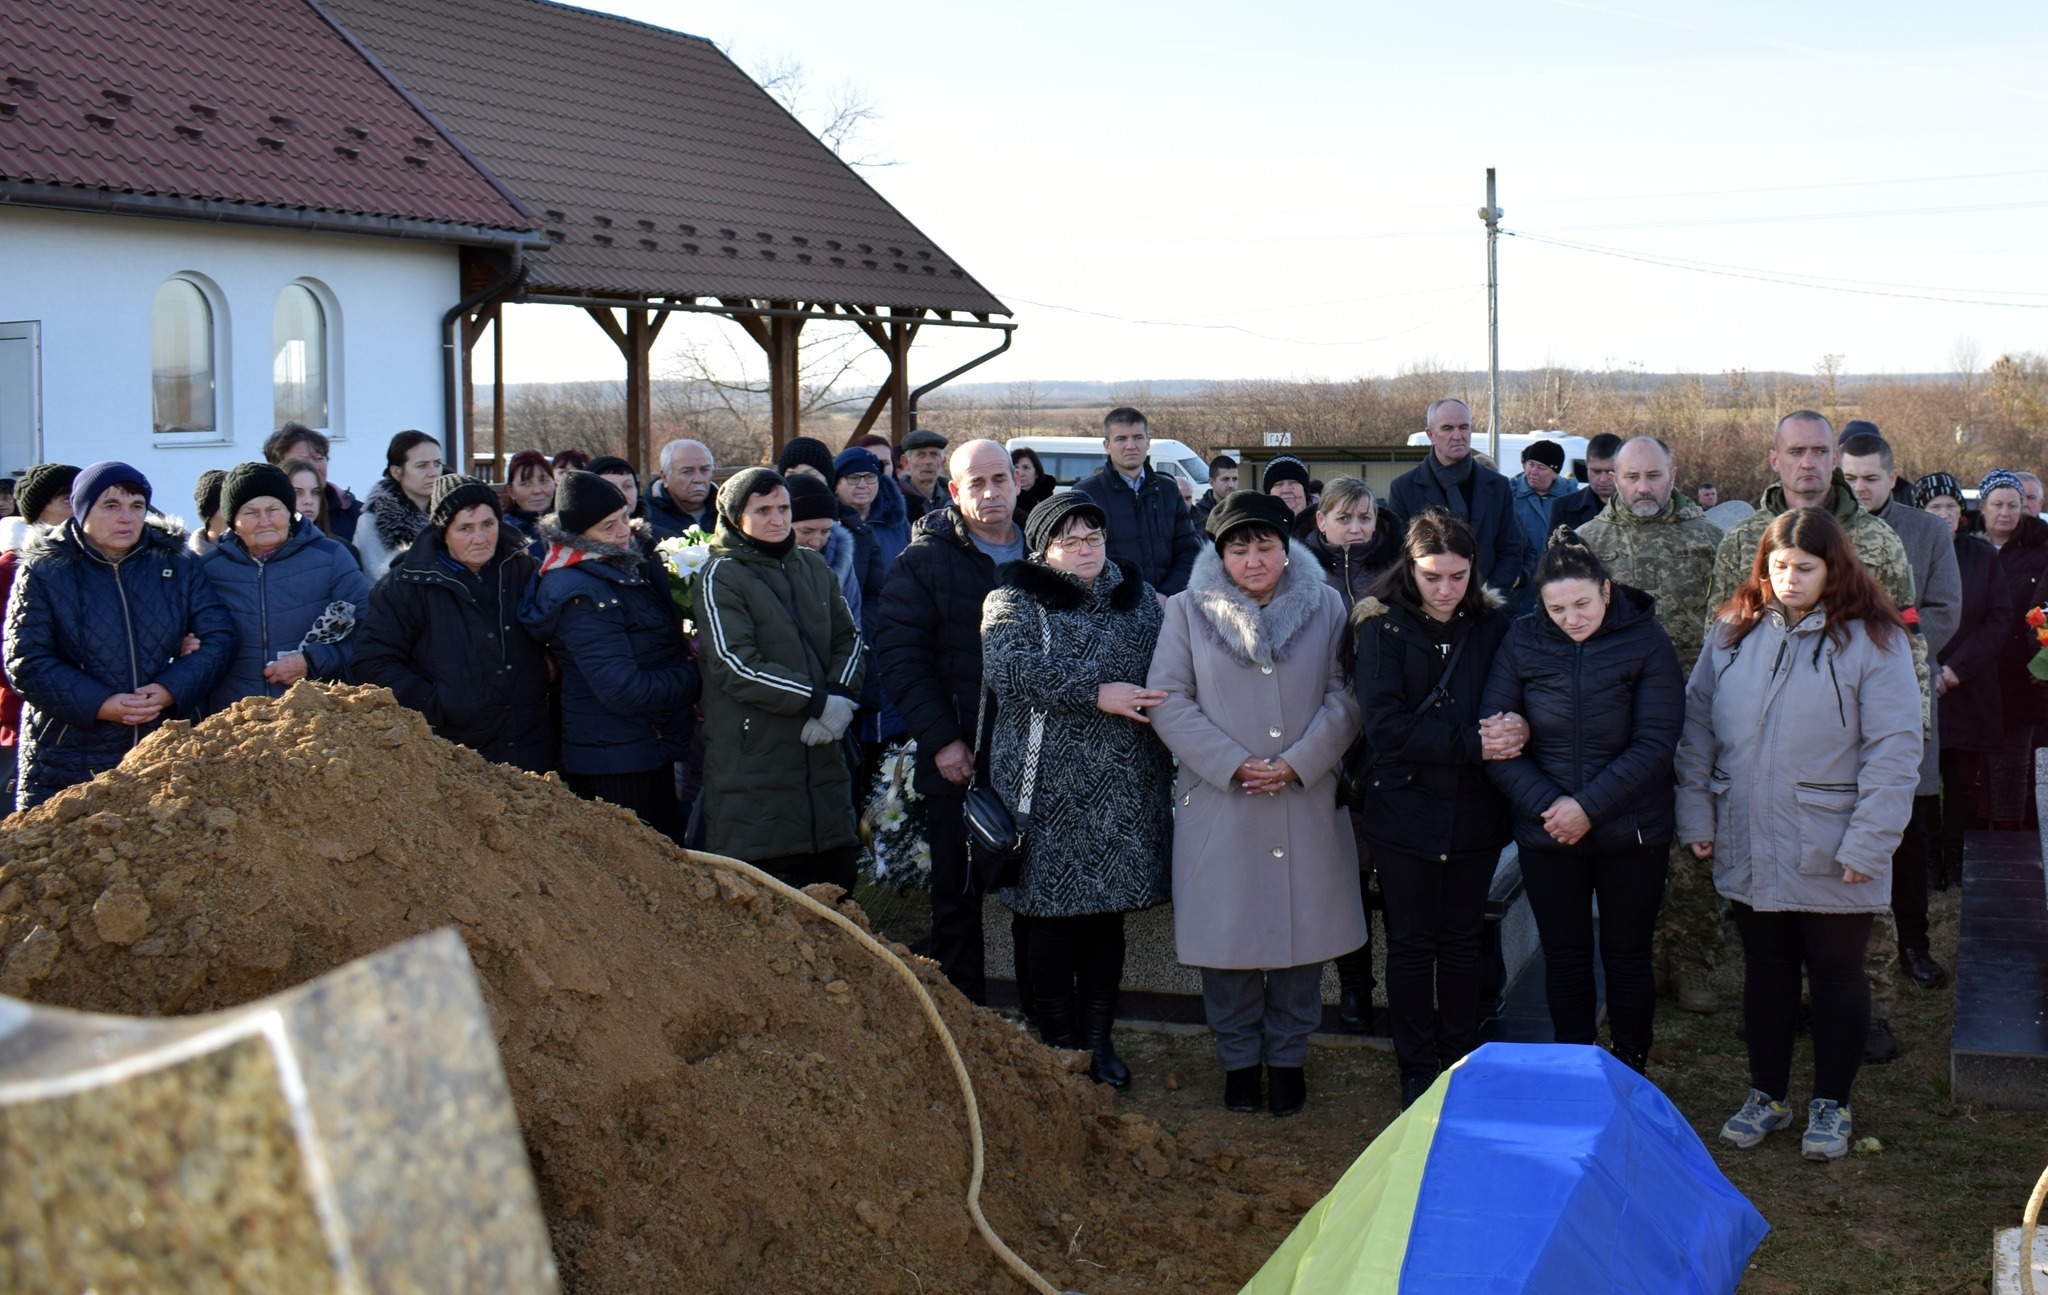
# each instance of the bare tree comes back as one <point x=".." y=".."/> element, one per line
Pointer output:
<point x="839" y="117"/>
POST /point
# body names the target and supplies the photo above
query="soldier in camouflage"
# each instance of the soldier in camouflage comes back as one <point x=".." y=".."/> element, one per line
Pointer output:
<point x="1662" y="543"/>
<point x="1803" y="456"/>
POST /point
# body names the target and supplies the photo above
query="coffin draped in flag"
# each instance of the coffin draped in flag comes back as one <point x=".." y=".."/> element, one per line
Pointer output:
<point x="1526" y="1168"/>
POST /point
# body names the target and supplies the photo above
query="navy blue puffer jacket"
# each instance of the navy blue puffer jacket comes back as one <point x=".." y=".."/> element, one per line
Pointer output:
<point x="1604" y="719"/>
<point x="627" y="678"/>
<point x="274" y="603"/>
<point x="81" y="628"/>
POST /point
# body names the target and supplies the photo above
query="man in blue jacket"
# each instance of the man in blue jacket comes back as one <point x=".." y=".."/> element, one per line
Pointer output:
<point x="1149" y="523"/>
<point x="1449" y="478"/>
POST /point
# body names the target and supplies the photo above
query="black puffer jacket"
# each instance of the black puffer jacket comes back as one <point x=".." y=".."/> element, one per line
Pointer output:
<point x="81" y="628"/>
<point x="1427" y="792"/>
<point x="1604" y="719"/>
<point x="1352" y="569"/>
<point x="1575" y="509"/>
<point x="449" y="644"/>
<point x="928" y="638"/>
<point x="1149" y="527"/>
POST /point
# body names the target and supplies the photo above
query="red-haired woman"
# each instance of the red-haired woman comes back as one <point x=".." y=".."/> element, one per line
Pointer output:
<point x="528" y="494"/>
<point x="1796" y="775"/>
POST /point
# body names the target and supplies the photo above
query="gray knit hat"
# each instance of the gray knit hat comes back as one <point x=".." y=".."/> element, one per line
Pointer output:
<point x="453" y="493"/>
<point x="744" y="485"/>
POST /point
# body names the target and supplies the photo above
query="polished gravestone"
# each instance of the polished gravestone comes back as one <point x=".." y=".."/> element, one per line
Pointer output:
<point x="1999" y="1049"/>
<point x="353" y="1135"/>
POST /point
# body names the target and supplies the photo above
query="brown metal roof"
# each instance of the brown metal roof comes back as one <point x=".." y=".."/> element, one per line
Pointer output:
<point x="260" y="104"/>
<point x="656" y="164"/>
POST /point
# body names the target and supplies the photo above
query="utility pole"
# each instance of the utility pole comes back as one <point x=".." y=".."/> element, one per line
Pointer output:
<point x="1491" y="214"/>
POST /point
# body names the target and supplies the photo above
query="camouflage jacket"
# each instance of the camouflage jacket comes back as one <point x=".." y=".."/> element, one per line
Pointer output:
<point x="1669" y="554"/>
<point x="1877" y="545"/>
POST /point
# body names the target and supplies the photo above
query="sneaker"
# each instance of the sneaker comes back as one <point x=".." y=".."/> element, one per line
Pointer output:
<point x="1758" y="1116"/>
<point x="1828" y="1127"/>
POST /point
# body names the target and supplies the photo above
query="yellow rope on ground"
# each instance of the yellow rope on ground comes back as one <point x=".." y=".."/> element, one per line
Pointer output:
<point x="2027" y="1222"/>
<point x="1011" y="1260"/>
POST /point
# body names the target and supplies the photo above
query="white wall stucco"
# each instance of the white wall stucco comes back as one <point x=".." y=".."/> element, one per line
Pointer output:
<point x="90" y="281"/>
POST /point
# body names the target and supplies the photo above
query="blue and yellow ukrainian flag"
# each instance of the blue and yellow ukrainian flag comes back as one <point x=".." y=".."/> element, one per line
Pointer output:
<point x="1526" y="1168"/>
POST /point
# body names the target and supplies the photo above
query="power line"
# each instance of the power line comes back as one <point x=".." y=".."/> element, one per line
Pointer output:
<point x="1763" y="276"/>
<point x="1235" y="328"/>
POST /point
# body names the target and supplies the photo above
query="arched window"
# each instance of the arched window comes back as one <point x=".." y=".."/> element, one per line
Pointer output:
<point x="181" y="359"/>
<point x="298" y="359"/>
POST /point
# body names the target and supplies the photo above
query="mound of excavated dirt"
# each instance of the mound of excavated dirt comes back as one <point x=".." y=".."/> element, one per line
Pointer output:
<point x="720" y="1091"/>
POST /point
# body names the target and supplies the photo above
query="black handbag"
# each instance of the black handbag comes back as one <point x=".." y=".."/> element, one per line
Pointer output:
<point x="995" y="839"/>
<point x="1355" y="770"/>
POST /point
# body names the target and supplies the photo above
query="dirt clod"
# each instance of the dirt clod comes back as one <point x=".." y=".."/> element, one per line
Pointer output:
<point x="719" y="1091"/>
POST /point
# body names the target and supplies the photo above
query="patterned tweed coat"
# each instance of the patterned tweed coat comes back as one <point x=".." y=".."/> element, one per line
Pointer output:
<point x="1101" y="825"/>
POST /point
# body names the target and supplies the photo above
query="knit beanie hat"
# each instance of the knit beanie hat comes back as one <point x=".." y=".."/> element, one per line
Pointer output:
<point x="1997" y="479"/>
<point x="95" y="479"/>
<point x="810" y="453"/>
<point x="206" y="495"/>
<point x="855" y="459"/>
<point x="1935" y="484"/>
<point x="744" y="485"/>
<point x="1241" y="508"/>
<point x="1051" y="515"/>
<point x="35" y="488"/>
<point x="1549" y="453"/>
<point x="810" y="499"/>
<point x="1284" y="468"/>
<point x="453" y="493"/>
<point x="246" y="481"/>
<point x="583" y="499"/>
<point x="1857" y="427"/>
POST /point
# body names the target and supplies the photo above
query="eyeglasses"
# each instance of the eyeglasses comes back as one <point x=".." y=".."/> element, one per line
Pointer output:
<point x="859" y="478"/>
<point x="1080" y="543"/>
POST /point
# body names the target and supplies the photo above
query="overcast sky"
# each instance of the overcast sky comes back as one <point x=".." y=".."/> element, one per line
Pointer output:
<point x="1197" y="190"/>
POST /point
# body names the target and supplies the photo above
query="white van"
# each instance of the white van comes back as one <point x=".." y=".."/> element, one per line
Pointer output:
<point x="1069" y="458"/>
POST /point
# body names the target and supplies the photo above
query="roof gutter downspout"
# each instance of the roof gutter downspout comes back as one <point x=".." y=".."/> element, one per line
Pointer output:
<point x="1009" y="335"/>
<point x="451" y="353"/>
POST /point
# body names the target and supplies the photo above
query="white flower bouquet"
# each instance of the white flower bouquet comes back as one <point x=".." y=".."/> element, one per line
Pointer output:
<point x="683" y="558"/>
<point x="900" y="856"/>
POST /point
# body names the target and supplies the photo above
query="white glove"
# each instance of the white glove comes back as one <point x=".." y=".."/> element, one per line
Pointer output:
<point x="817" y="733"/>
<point x="838" y="714"/>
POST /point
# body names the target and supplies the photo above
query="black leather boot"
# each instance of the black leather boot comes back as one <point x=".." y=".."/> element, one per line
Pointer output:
<point x="1354" y="981"/>
<point x="1241" y="1088"/>
<point x="1286" y="1089"/>
<point x="1098" y="1016"/>
<point x="1054" y="1018"/>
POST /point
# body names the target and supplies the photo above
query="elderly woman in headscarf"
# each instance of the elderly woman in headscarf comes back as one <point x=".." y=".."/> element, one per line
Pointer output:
<point x="1966" y="676"/>
<point x="2021" y="540"/>
<point x="101" y="624"/>
<point x="295" y="594"/>
<point x="443" y="631"/>
<point x="601" y="603"/>
<point x="1259" y="710"/>
<point x="1067" y="637"/>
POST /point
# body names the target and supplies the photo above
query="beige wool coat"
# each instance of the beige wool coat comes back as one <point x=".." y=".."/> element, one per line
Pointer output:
<point x="1259" y="882"/>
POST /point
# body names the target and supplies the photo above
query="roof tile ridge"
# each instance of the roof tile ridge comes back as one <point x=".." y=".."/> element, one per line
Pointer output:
<point x="454" y="141"/>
